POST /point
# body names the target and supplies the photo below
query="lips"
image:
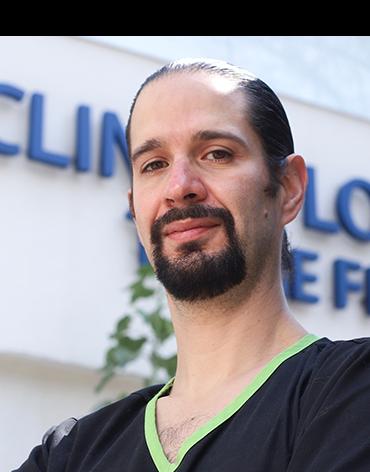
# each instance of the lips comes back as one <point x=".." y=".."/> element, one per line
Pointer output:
<point x="189" y="228"/>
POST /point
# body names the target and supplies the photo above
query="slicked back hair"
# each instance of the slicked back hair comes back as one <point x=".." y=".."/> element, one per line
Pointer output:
<point x="265" y="114"/>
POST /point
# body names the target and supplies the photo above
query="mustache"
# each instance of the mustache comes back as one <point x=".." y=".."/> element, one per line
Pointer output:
<point x="194" y="211"/>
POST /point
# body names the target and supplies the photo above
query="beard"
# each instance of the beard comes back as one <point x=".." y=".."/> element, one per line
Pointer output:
<point x="194" y="274"/>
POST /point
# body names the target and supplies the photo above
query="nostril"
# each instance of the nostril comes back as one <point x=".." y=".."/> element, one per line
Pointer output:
<point x="190" y="196"/>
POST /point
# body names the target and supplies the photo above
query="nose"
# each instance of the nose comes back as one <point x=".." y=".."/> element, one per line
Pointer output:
<point x="184" y="186"/>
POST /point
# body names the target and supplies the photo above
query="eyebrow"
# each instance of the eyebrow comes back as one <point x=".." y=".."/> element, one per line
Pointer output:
<point x="147" y="146"/>
<point x="208" y="135"/>
<point x="204" y="135"/>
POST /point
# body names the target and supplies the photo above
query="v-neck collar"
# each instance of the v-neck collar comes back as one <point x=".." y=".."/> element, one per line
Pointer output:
<point x="150" y="428"/>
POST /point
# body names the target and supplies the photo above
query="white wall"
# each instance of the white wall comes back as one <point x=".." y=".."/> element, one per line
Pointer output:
<point x="37" y="393"/>
<point x="67" y="253"/>
<point x="67" y="250"/>
<point x="328" y="71"/>
<point x="338" y="147"/>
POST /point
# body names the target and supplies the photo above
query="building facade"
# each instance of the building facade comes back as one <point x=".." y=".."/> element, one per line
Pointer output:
<point x="67" y="248"/>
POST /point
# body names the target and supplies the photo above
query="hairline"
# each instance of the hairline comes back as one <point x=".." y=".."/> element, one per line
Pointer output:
<point x="226" y="74"/>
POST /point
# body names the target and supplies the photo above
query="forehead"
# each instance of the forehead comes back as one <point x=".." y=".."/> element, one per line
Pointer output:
<point x="181" y="103"/>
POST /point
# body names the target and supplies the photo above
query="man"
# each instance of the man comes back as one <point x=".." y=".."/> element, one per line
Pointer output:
<point x="215" y="181"/>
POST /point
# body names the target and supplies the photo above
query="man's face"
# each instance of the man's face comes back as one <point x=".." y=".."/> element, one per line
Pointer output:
<point x="199" y="186"/>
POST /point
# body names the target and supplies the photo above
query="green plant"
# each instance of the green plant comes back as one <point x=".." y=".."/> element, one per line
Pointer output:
<point x="147" y="304"/>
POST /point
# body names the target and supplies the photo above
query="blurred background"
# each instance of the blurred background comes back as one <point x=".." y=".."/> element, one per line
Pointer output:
<point x="67" y="248"/>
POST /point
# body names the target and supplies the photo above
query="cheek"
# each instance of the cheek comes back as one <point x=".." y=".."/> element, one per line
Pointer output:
<point x="250" y="206"/>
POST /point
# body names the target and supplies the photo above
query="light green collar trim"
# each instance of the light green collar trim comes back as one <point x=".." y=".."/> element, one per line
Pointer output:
<point x="151" y="434"/>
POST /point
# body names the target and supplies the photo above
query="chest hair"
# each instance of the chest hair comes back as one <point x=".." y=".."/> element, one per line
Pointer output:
<point x="171" y="437"/>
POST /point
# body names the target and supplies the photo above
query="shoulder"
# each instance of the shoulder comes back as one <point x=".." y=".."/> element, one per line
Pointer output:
<point x="75" y="436"/>
<point x="326" y="359"/>
<point x="122" y="411"/>
<point x="341" y="356"/>
<point x="339" y="377"/>
<point x="334" y="415"/>
<point x="56" y="433"/>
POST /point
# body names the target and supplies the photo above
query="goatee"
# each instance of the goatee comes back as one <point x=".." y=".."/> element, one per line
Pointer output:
<point x="193" y="274"/>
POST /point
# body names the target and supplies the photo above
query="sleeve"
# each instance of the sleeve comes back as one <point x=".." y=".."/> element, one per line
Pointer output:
<point x="334" y="432"/>
<point x="47" y="457"/>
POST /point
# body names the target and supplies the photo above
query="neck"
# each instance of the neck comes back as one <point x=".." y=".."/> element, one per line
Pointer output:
<point x="229" y="336"/>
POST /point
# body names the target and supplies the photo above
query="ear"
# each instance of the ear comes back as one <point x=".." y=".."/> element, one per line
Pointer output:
<point x="294" y="183"/>
<point x="131" y="203"/>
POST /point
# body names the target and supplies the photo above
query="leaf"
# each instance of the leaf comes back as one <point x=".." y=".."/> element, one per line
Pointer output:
<point x="145" y="271"/>
<point x="108" y="373"/>
<point x="167" y="363"/>
<point x="171" y="365"/>
<point x="121" y="327"/>
<point x="139" y="291"/>
<point x="127" y="349"/>
<point x="119" y="356"/>
<point x="123" y="323"/>
<point x="162" y="327"/>
<point x="145" y="315"/>
<point x="132" y="345"/>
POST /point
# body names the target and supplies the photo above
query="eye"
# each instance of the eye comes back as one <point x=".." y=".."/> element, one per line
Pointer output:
<point x="153" y="166"/>
<point x="218" y="155"/>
